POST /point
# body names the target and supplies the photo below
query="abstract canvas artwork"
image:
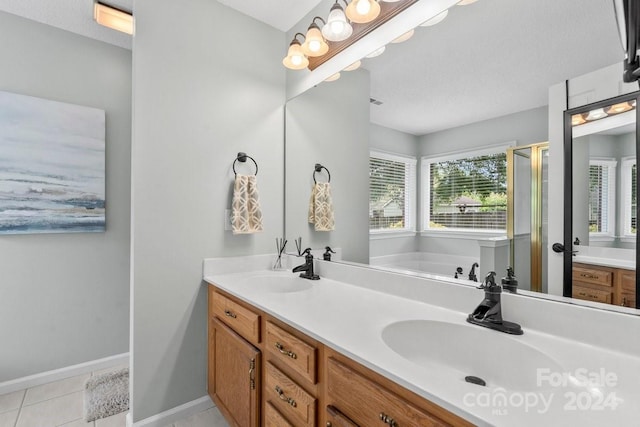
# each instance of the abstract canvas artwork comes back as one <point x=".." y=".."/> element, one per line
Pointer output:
<point x="52" y="166"/>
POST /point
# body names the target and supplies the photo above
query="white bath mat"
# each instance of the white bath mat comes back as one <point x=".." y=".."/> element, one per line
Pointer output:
<point x="106" y="395"/>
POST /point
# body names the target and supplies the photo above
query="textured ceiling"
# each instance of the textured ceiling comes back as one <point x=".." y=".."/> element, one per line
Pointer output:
<point x="489" y="59"/>
<point x="71" y="15"/>
<point x="485" y="60"/>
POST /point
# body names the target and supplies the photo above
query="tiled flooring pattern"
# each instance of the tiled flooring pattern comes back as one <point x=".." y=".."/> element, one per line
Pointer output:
<point x="60" y="404"/>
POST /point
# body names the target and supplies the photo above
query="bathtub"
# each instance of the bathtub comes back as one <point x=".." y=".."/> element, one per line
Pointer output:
<point x="426" y="262"/>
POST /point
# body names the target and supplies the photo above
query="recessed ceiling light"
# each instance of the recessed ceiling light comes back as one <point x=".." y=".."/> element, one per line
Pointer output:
<point x="113" y="18"/>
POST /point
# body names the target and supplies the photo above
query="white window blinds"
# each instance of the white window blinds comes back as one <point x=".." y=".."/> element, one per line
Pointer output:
<point x="602" y="196"/>
<point x="392" y="192"/>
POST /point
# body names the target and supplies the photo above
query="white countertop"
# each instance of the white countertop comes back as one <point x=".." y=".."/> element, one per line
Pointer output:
<point x="350" y="319"/>
<point x="606" y="262"/>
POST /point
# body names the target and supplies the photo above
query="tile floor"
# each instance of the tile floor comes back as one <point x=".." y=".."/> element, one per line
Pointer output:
<point x="60" y="404"/>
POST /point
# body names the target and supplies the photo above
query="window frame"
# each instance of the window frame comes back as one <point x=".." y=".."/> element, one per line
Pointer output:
<point x="410" y="199"/>
<point x="626" y="185"/>
<point x="609" y="235"/>
<point x="425" y="184"/>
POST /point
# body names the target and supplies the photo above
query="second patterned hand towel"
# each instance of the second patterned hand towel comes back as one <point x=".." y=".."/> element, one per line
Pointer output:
<point x="321" y="207"/>
<point x="246" y="216"/>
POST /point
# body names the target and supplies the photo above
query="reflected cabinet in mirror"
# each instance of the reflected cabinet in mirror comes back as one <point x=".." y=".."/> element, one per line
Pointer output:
<point x="442" y="157"/>
<point x="601" y="210"/>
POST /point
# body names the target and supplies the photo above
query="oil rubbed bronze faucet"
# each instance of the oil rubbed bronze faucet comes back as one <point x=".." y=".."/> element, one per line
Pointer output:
<point x="307" y="267"/>
<point x="489" y="312"/>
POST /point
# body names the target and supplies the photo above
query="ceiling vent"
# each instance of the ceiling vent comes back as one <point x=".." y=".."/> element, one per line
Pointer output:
<point x="375" y="101"/>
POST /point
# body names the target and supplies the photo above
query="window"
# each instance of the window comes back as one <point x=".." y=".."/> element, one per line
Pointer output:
<point x="392" y="183"/>
<point x="629" y="179"/>
<point x="467" y="191"/>
<point x="602" y="193"/>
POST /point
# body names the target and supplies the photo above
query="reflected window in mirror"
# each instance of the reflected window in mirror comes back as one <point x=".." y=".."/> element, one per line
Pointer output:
<point x="629" y="179"/>
<point x="602" y="199"/>
<point x="392" y="193"/>
<point x="466" y="191"/>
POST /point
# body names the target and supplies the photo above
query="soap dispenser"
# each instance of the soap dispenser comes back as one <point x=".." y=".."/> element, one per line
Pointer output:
<point x="510" y="283"/>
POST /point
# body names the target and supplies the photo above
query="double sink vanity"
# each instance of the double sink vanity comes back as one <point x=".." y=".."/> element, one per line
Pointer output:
<point x="361" y="347"/>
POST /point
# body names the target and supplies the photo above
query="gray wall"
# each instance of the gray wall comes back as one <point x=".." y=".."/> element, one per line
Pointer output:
<point x="64" y="298"/>
<point x="334" y="133"/>
<point x="197" y="103"/>
<point x="395" y="142"/>
<point x="525" y="127"/>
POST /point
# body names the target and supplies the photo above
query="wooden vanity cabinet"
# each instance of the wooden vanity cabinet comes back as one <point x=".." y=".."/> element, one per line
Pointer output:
<point x="607" y="285"/>
<point x="304" y="383"/>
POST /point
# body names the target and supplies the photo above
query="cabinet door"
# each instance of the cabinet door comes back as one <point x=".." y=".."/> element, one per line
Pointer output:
<point x="234" y="375"/>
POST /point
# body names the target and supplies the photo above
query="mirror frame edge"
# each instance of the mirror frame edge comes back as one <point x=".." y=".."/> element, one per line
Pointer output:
<point x="567" y="285"/>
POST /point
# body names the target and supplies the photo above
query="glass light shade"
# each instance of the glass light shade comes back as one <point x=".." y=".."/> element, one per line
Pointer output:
<point x="353" y="66"/>
<point x="577" y="119"/>
<point x="466" y="2"/>
<point x="596" y="114"/>
<point x="619" y="108"/>
<point x="436" y="19"/>
<point x="337" y="27"/>
<point x="403" y="38"/>
<point x="391" y="1"/>
<point x="295" y="59"/>
<point x="332" y="78"/>
<point x="363" y="11"/>
<point x="376" y="52"/>
<point x="314" y="44"/>
<point x="113" y="18"/>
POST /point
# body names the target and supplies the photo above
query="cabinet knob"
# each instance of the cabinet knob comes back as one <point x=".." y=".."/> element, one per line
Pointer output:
<point x="282" y="350"/>
<point x="388" y="420"/>
<point x="284" y="397"/>
<point x="229" y="313"/>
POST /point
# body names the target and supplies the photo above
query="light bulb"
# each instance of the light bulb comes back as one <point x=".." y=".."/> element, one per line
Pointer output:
<point x="337" y="26"/>
<point x="363" y="7"/>
<point x="314" y="45"/>
<point x="296" y="60"/>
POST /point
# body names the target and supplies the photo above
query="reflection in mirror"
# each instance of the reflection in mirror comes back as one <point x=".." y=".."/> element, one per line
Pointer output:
<point x="603" y="144"/>
<point x="420" y="106"/>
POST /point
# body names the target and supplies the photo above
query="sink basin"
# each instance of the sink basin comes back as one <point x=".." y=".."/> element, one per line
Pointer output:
<point x="279" y="282"/>
<point x="499" y="359"/>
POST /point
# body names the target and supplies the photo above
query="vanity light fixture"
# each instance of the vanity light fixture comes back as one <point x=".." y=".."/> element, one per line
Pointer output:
<point x="353" y="66"/>
<point x="596" y="114"/>
<point x="314" y="44"/>
<point x="403" y="38"/>
<point x="295" y="59"/>
<point x="376" y="52"/>
<point x="332" y="78"/>
<point x="363" y="11"/>
<point x="577" y="120"/>
<point x="436" y="19"/>
<point x="337" y="27"/>
<point x="113" y="18"/>
<point x="619" y="108"/>
<point x="466" y="2"/>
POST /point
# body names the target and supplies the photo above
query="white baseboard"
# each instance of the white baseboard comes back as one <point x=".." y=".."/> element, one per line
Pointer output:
<point x="62" y="373"/>
<point x="174" y="414"/>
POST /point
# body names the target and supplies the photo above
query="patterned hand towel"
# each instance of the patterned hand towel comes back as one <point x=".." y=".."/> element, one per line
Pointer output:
<point x="246" y="216"/>
<point x="321" y="207"/>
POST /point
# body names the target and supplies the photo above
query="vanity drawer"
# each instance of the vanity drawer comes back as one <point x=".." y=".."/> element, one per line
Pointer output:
<point x="291" y="351"/>
<point x="242" y="320"/>
<point x="628" y="299"/>
<point x="591" y="275"/>
<point x="627" y="280"/>
<point x="291" y="400"/>
<point x="273" y="418"/>
<point x="366" y="403"/>
<point x="591" y="294"/>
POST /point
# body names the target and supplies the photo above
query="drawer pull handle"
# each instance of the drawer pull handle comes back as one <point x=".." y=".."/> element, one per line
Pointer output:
<point x="282" y="396"/>
<point x="230" y="314"/>
<point x="624" y="301"/>
<point x="388" y="420"/>
<point x="589" y="276"/>
<point x="281" y="349"/>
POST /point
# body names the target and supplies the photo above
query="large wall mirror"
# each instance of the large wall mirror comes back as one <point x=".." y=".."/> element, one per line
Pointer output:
<point x="601" y="209"/>
<point x="467" y="97"/>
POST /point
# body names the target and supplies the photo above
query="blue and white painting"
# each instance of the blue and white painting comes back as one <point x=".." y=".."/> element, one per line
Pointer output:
<point x="52" y="163"/>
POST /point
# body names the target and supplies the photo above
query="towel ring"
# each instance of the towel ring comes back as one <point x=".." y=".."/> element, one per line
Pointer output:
<point x="318" y="168"/>
<point x="242" y="158"/>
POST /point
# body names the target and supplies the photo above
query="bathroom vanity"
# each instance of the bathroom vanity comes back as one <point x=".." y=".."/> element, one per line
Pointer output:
<point x="370" y="348"/>
<point x="606" y="284"/>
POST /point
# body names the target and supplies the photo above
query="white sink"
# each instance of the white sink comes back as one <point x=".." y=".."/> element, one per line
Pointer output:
<point x="501" y="360"/>
<point x="277" y="282"/>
